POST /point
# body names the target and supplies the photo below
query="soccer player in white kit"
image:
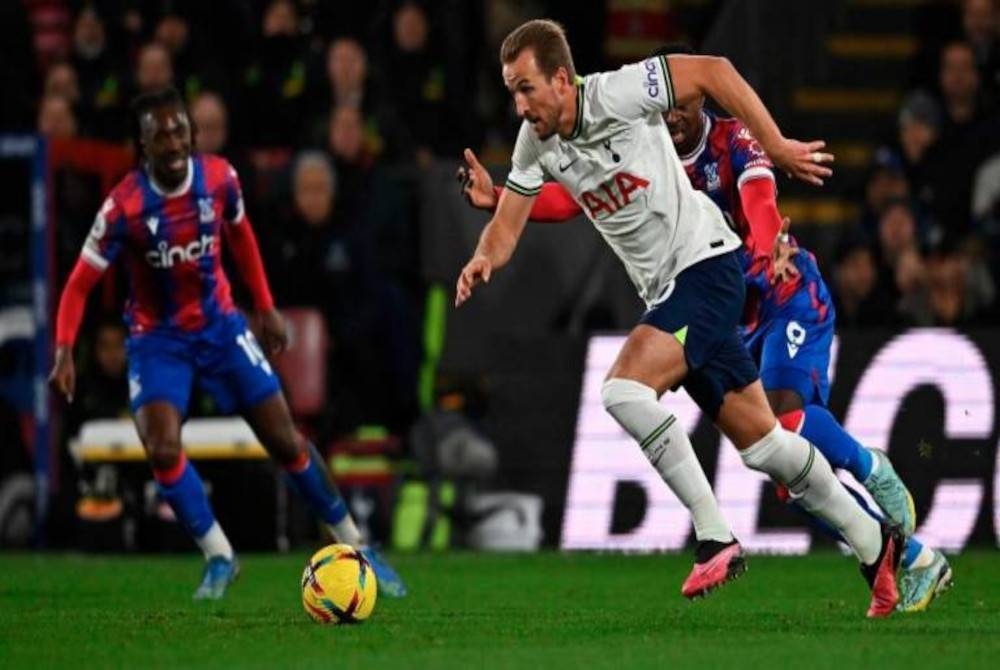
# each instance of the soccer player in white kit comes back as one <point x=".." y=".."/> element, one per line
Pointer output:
<point x="603" y="138"/>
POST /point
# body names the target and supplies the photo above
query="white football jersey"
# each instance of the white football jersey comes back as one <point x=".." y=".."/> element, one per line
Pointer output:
<point x="621" y="167"/>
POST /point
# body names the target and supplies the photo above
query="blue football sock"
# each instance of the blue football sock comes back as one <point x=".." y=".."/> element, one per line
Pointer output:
<point x="842" y="450"/>
<point x="312" y="484"/>
<point x="912" y="551"/>
<point x="186" y="496"/>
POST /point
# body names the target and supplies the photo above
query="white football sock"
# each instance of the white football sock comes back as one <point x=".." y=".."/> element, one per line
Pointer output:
<point x="924" y="558"/>
<point x="668" y="448"/>
<point x="345" y="532"/>
<point x="791" y="460"/>
<point x="215" y="543"/>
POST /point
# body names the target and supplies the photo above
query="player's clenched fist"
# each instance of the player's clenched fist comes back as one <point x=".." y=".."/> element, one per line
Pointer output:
<point x="475" y="271"/>
<point x="273" y="332"/>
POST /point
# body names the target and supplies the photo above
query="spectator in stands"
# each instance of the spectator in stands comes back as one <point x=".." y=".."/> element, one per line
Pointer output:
<point x="347" y="72"/>
<point x="352" y="160"/>
<point x="331" y="258"/>
<point x="919" y="126"/>
<point x="154" y="69"/>
<point x="173" y="32"/>
<point x="61" y="80"/>
<point x="89" y="37"/>
<point x="101" y="77"/>
<point x="102" y="388"/>
<point x="954" y="288"/>
<point x="910" y="279"/>
<point x="897" y="233"/>
<point x="348" y="82"/>
<point x="960" y="84"/>
<point x="194" y="70"/>
<point x="859" y="298"/>
<point x="966" y="139"/>
<point x="300" y="235"/>
<point x="211" y="121"/>
<point x="981" y="23"/>
<point x="276" y="81"/>
<point x="419" y="89"/>
<point x="56" y="119"/>
<point x="946" y="283"/>
<point x="886" y="184"/>
<point x="376" y="202"/>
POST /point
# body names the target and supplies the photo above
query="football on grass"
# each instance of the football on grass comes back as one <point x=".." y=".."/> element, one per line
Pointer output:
<point x="338" y="585"/>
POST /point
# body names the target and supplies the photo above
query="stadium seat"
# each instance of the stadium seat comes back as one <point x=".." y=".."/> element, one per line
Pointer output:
<point x="303" y="366"/>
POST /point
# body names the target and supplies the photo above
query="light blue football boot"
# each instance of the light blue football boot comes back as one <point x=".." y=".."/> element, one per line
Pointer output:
<point x="919" y="587"/>
<point x="891" y="494"/>
<point x="389" y="582"/>
<point x="220" y="572"/>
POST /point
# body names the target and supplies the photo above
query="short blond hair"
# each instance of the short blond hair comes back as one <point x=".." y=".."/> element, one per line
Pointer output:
<point x="547" y="40"/>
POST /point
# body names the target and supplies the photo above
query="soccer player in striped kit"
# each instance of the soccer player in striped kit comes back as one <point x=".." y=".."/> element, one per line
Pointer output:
<point x="166" y="220"/>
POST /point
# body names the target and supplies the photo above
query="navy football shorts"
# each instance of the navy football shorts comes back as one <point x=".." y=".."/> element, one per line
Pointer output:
<point x="702" y="309"/>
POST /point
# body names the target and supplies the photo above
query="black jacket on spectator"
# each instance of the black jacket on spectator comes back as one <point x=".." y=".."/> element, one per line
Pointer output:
<point x="276" y="84"/>
<point x="943" y="183"/>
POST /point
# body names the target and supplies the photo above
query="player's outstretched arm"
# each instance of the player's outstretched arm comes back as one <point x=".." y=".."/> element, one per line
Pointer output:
<point x="72" y="303"/>
<point x="554" y="204"/>
<point x="768" y="230"/>
<point x="695" y="76"/>
<point x="496" y="243"/>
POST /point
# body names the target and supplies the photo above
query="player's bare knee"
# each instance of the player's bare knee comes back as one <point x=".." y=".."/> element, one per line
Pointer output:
<point x="164" y="451"/>
<point x="784" y="401"/>
<point x="285" y="445"/>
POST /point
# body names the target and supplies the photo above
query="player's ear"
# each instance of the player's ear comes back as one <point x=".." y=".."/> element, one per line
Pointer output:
<point x="561" y="78"/>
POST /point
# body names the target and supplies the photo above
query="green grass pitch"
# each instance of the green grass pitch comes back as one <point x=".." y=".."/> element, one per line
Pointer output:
<point x="475" y="611"/>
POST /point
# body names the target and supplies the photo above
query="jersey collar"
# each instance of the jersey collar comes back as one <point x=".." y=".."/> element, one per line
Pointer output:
<point x="578" y="124"/>
<point x="184" y="187"/>
<point x="690" y="158"/>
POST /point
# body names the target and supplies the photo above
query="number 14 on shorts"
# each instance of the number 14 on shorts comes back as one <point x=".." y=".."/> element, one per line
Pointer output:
<point x="248" y="343"/>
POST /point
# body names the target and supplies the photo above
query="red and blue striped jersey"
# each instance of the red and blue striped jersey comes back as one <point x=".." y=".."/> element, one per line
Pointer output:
<point x="171" y="244"/>
<point x="727" y="157"/>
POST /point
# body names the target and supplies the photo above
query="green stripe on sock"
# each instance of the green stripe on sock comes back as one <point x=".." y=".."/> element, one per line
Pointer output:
<point x="662" y="428"/>
<point x="805" y="471"/>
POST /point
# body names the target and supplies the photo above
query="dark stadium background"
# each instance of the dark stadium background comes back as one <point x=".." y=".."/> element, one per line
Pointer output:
<point x="907" y="234"/>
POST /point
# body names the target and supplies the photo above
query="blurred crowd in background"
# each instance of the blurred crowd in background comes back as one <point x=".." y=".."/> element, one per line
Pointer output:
<point x="926" y="250"/>
<point x="330" y="111"/>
